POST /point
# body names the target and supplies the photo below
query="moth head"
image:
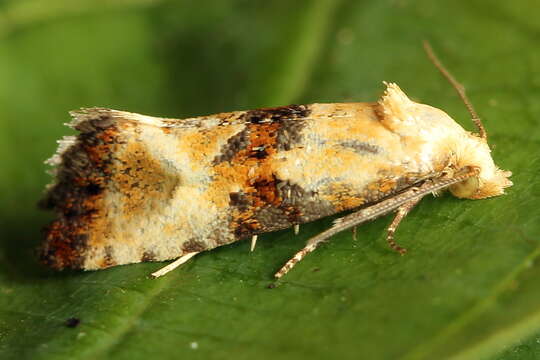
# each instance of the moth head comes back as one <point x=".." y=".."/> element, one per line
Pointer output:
<point x="404" y="117"/>
<point x="473" y="149"/>
<point x="490" y="181"/>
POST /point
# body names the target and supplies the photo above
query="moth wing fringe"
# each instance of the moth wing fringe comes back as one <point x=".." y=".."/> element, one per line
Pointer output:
<point x="63" y="144"/>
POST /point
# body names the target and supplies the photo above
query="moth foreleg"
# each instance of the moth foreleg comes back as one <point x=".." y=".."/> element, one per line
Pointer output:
<point x="401" y="212"/>
<point x="410" y="196"/>
<point x="351" y="220"/>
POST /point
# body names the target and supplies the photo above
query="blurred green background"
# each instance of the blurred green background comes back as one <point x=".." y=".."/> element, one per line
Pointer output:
<point x="468" y="289"/>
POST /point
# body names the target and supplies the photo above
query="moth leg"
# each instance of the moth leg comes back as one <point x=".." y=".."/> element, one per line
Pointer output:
<point x="354" y="233"/>
<point x="253" y="242"/>
<point x="401" y="212"/>
<point x="295" y="259"/>
<point x="296" y="229"/>
<point x="412" y="194"/>
<point x="176" y="263"/>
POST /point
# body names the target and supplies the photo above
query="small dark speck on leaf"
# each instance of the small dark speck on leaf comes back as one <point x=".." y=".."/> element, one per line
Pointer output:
<point x="72" y="322"/>
<point x="271" y="286"/>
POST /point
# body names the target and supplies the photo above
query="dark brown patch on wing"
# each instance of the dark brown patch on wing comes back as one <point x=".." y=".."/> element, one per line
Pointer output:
<point x="289" y="134"/>
<point x="81" y="177"/>
<point x="265" y="192"/>
<point x="272" y="218"/>
<point x="286" y="122"/>
<point x="148" y="255"/>
<point x="304" y="205"/>
<point x="291" y="119"/>
<point x="108" y="259"/>
<point x="280" y="205"/>
<point x="236" y="143"/>
<point x="239" y="200"/>
<point x="194" y="246"/>
<point x="259" y="153"/>
<point x="281" y="113"/>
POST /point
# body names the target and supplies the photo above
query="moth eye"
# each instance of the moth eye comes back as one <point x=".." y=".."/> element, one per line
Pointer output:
<point x="466" y="188"/>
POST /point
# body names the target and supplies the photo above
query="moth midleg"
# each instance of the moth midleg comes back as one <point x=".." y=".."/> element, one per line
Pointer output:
<point x="176" y="263"/>
<point x="253" y="242"/>
<point x="401" y="213"/>
<point x="414" y="193"/>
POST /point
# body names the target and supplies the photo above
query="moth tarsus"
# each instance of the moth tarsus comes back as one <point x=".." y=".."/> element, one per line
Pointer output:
<point x="401" y="212"/>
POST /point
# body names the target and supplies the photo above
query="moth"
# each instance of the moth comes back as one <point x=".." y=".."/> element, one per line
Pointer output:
<point x="131" y="188"/>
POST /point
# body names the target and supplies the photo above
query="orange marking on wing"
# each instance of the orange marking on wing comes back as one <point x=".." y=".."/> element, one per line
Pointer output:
<point x="141" y="179"/>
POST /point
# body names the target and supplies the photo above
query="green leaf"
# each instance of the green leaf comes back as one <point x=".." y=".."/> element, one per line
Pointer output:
<point x="467" y="289"/>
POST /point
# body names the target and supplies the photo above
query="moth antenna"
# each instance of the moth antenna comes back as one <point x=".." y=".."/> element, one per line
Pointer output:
<point x="460" y="89"/>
